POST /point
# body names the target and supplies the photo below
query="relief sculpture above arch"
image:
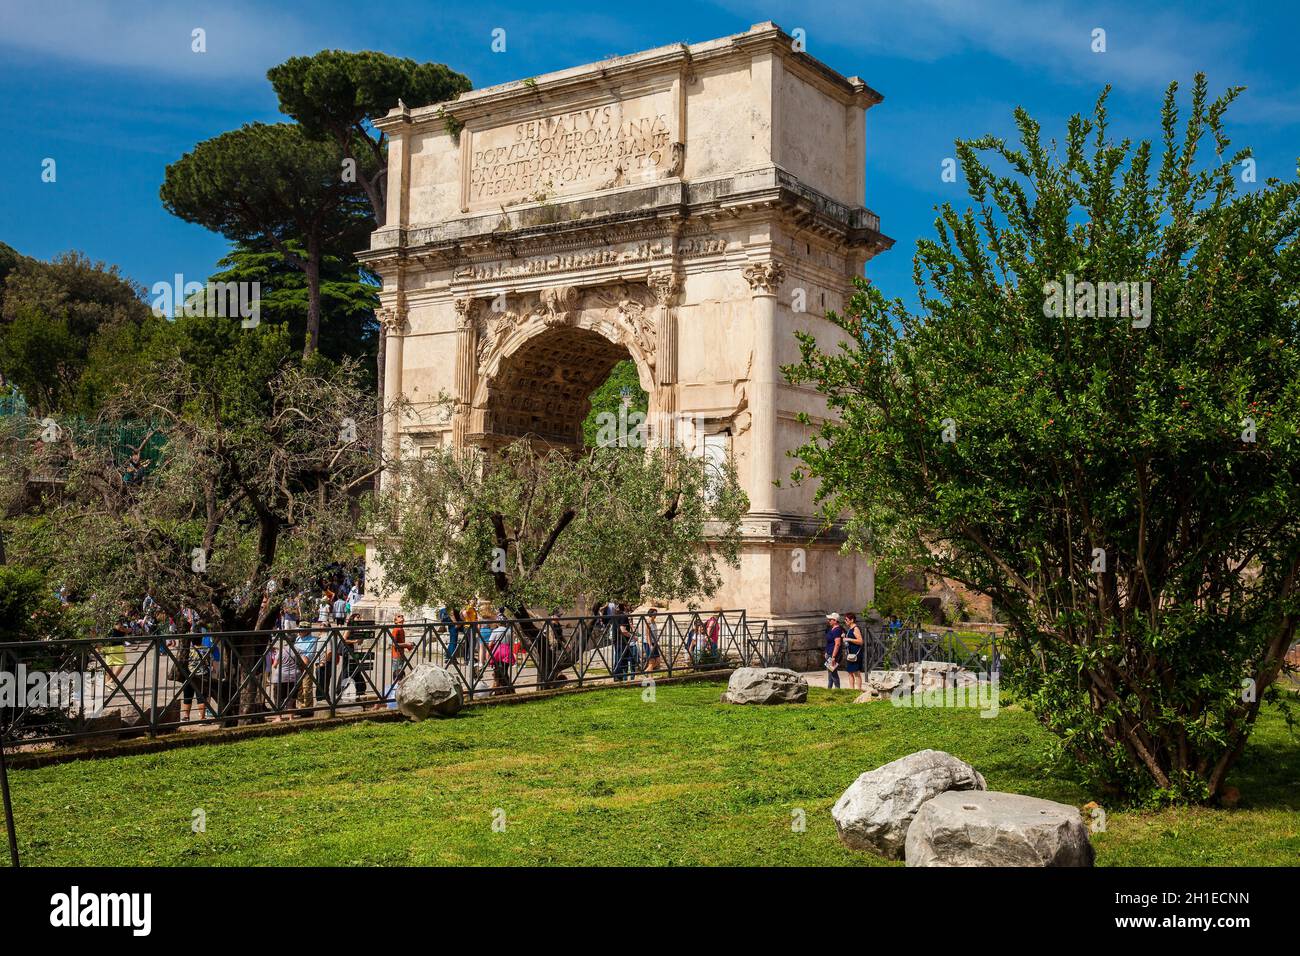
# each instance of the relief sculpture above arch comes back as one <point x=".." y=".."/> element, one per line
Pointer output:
<point x="622" y="312"/>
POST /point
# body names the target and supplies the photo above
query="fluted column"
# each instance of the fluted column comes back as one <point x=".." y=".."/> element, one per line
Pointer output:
<point x="393" y="324"/>
<point x="666" y="287"/>
<point x="764" y="280"/>
<point x="466" y="371"/>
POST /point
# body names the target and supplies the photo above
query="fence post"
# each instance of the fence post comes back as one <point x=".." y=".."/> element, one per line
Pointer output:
<point x="153" y="703"/>
<point x="581" y="656"/>
<point x="667" y="631"/>
<point x="332" y="672"/>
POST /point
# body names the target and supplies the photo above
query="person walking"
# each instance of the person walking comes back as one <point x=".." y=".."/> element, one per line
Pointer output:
<point x="834" y="646"/>
<point x="444" y="616"/>
<point x="624" y="643"/>
<point x="190" y="667"/>
<point x="401" y="647"/>
<point x="473" y="653"/>
<point x="855" y="644"/>
<point x="305" y="645"/>
<point x="713" y="627"/>
<point x="696" y="640"/>
<point x="285" y="670"/>
<point x="290" y="612"/>
<point x="650" y="652"/>
<point x="502" y="655"/>
<point x="351" y="657"/>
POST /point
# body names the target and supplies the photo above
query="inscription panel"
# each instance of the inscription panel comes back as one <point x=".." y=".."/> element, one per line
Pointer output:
<point x="572" y="151"/>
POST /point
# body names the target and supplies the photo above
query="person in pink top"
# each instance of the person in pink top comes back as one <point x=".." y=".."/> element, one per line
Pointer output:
<point x="501" y="652"/>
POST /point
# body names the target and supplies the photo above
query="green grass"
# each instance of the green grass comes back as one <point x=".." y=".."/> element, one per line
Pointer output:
<point x="595" y="779"/>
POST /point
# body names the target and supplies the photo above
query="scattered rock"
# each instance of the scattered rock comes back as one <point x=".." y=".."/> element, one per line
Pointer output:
<point x="765" y="685"/>
<point x="429" y="691"/>
<point x="874" y="813"/>
<point x="922" y="677"/>
<point x="880" y="685"/>
<point x="997" y="829"/>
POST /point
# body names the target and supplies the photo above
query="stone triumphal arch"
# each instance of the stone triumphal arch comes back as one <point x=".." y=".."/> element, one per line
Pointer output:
<point x="690" y="208"/>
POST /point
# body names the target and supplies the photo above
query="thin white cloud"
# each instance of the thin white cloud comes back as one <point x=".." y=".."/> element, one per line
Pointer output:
<point x="152" y="38"/>
<point x="1055" y="37"/>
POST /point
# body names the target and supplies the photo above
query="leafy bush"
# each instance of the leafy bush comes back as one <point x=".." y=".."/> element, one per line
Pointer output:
<point x="1121" y="476"/>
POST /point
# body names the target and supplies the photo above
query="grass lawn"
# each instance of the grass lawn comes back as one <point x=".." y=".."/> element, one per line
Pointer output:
<point x="595" y="779"/>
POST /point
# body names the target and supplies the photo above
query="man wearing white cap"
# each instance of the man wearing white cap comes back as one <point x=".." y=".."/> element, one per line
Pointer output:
<point x="834" y="644"/>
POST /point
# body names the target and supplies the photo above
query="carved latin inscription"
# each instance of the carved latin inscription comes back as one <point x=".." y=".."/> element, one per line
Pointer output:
<point x="585" y="149"/>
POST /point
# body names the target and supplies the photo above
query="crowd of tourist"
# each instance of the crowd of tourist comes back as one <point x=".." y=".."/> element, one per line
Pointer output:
<point x="322" y="654"/>
<point x="634" y="642"/>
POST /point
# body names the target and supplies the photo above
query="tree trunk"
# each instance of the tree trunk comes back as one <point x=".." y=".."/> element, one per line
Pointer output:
<point x="312" y="342"/>
<point x="372" y="191"/>
<point x="550" y="661"/>
<point x="249" y="653"/>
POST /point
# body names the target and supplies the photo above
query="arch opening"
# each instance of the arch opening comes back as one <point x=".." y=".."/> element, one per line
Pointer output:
<point x="544" y="388"/>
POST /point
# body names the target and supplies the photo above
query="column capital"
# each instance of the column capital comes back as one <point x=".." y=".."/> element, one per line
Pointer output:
<point x="464" y="312"/>
<point x="392" y="321"/>
<point x="666" y="285"/>
<point x="764" y="278"/>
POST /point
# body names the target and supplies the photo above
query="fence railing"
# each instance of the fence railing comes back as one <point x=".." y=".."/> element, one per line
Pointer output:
<point x="899" y="648"/>
<point x="78" y="689"/>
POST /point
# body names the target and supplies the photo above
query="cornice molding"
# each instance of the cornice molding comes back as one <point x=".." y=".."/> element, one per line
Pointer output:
<point x="551" y="89"/>
<point x="648" y="213"/>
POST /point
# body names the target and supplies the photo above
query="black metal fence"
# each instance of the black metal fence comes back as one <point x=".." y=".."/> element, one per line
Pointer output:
<point x="900" y="648"/>
<point x="53" y="691"/>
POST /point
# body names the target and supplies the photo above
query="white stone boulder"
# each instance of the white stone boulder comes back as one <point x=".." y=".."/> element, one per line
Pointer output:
<point x="765" y="685"/>
<point x="923" y="677"/>
<point x="429" y="691"/>
<point x="997" y="829"/>
<point x="876" y="810"/>
<point x="880" y="685"/>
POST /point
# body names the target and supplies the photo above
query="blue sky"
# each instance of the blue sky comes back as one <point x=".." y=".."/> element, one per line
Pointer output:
<point x="112" y="91"/>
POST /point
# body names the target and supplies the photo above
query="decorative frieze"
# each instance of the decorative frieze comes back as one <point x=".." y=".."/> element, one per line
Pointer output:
<point x="621" y="311"/>
<point x="647" y="251"/>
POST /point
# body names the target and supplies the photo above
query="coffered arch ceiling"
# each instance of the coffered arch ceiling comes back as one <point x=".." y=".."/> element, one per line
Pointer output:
<point x="544" y="387"/>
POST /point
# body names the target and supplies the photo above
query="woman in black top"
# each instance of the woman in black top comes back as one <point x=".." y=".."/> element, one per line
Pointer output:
<point x="854" y="646"/>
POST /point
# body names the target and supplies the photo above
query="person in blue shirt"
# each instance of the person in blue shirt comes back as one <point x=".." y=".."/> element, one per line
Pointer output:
<point x="834" y="646"/>
<point x="305" y="645"/>
<point x="453" y="632"/>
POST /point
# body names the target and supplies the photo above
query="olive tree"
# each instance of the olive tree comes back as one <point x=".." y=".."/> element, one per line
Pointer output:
<point x="532" y="528"/>
<point x="250" y="489"/>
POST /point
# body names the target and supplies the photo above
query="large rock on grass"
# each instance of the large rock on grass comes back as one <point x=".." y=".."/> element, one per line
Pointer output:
<point x="874" y="813"/>
<point x="765" y="685"/>
<point x="997" y="829"/>
<point x="429" y="691"/>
